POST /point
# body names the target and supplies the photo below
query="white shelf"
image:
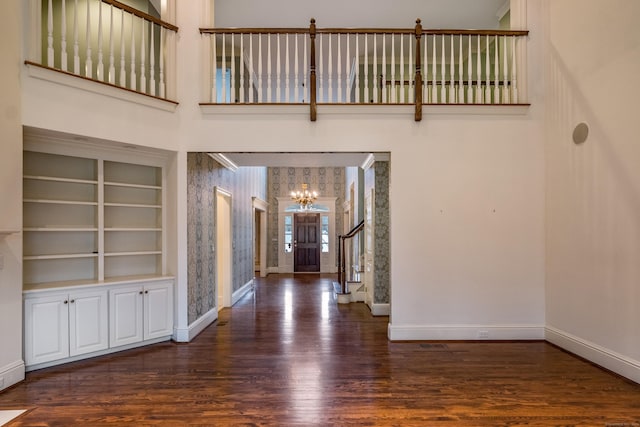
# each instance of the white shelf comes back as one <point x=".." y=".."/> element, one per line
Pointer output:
<point x="61" y="202"/>
<point x="133" y="229"/>
<point x="141" y="186"/>
<point x="60" y="256"/>
<point x="57" y="179"/>
<point x="60" y="229"/>
<point x="133" y="253"/>
<point x="132" y="205"/>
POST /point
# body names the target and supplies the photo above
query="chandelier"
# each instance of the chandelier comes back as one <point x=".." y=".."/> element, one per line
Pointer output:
<point x="304" y="197"/>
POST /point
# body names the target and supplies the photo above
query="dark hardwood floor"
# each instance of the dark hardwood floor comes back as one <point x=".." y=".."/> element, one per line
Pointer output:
<point x="288" y="355"/>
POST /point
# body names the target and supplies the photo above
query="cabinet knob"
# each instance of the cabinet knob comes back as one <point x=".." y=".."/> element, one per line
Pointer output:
<point x="66" y="302"/>
<point x="146" y="292"/>
<point x="72" y="301"/>
<point x="140" y="292"/>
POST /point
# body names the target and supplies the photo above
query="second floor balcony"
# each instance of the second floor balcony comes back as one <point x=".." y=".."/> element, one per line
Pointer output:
<point x="109" y="42"/>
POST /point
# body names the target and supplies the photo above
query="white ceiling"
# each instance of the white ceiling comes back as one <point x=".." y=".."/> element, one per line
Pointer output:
<point x="448" y="14"/>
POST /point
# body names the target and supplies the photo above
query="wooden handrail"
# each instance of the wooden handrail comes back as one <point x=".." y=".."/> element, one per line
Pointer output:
<point x="141" y="14"/>
<point x="254" y="30"/>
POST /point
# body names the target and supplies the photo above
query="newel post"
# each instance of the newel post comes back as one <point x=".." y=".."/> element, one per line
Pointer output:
<point x="312" y="72"/>
<point x="418" y="86"/>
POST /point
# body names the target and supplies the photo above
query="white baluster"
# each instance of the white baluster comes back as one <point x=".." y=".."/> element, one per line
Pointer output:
<point x="330" y="72"/>
<point x="443" y="71"/>
<point x="479" y="91"/>
<point x="161" y="84"/>
<point x="223" y="66"/>
<point x="133" y="79"/>
<point x="214" y="68"/>
<point x="241" y="58"/>
<point x="487" y="88"/>
<point x="392" y="88"/>
<point x="287" y="74"/>
<point x="505" y="86"/>
<point x="152" y="61"/>
<point x="63" y="38"/>
<point x="378" y="87"/>
<point x="452" y="72"/>
<point x="401" y="87"/>
<point x="357" y="69"/>
<point x="434" y="86"/>
<point x="123" y="72"/>
<point x="232" y="75"/>
<point x="496" y="72"/>
<point x="383" y="83"/>
<point x="88" y="64"/>
<point x="320" y="79"/>
<point x="278" y="69"/>
<point x="426" y="92"/>
<point x="514" y="74"/>
<point x="347" y="84"/>
<point x="366" y="65"/>
<point x="76" y="45"/>
<point x="112" y="68"/>
<point x="259" y="68"/>
<point x="100" y="67"/>
<point x="305" y="68"/>
<point x="251" y="82"/>
<point x="143" y="54"/>
<point x="339" y="70"/>
<point x="296" y="72"/>
<point x="50" y="52"/>
<point x="470" y="74"/>
<point x="412" y="73"/>
<point x="460" y="73"/>
<point x="269" y="76"/>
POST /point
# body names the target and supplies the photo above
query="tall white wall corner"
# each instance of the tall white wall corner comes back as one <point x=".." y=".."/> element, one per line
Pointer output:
<point x="606" y="358"/>
<point x="11" y="374"/>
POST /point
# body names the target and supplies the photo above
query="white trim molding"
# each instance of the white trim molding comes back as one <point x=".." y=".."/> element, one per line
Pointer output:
<point x="608" y="359"/>
<point x="465" y="332"/>
<point x="11" y="374"/>
<point x="380" y="309"/>
<point x="199" y="325"/>
<point x="224" y="161"/>
<point x="237" y="295"/>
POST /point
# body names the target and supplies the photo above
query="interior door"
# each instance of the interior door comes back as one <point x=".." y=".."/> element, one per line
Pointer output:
<point x="306" y="247"/>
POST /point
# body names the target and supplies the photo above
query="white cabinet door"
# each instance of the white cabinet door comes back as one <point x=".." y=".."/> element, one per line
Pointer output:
<point x="125" y="315"/>
<point x="88" y="322"/>
<point x="46" y="328"/>
<point x="158" y="310"/>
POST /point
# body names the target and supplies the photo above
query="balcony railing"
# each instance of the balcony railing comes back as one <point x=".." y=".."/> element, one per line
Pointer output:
<point x="363" y="66"/>
<point x="107" y="41"/>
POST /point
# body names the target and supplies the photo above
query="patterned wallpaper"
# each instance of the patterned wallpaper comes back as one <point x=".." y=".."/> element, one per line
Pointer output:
<point x="328" y="182"/>
<point x="203" y="174"/>
<point x="377" y="177"/>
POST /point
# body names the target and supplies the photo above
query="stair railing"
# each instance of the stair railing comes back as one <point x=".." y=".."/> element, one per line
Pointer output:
<point x="342" y="273"/>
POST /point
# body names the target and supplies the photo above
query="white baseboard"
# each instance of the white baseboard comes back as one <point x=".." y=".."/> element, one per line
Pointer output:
<point x="248" y="287"/>
<point x="273" y="270"/>
<point x="11" y="374"/>
<point x="465" y="332"/>
<point x="202" y="322"/>
<point x="595" y="353"/>
<point x="380" y="309"/>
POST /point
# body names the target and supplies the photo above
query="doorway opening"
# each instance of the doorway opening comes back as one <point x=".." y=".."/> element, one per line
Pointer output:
<point x="224" y="248"/>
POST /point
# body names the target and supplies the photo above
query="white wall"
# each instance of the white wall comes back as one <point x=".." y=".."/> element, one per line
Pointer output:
<point x="466" y="256"/>
<point x="11" y="363"/>
<point x="593" y="189"/>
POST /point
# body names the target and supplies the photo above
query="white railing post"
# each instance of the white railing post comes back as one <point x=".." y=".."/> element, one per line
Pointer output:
<point x="366" y="65"/>
<point x="514" y="74"/>
<point x="487" y="89"/>
<point x="320" y="70"/>
<point x="123" y="72"/>
<point x="296" y="72"/>
<point x="152" y="61"/>
<point x="357" y="91"/>
<point x="223" y="67"/>
<point x="452" y="72"/>
<point x="63" y="38"/>
<point x="392" y="93"/>
<point x="143" y="54"/>
<point x="330" y="72"/>
<point x="496" y="73"/>
<point x="88" y="63"/>
<point x="505" y="86"/>
<point x="76" y="45"/>
<point x="479" y="91"/>
<point x="100" y="67"/>
<point x="434" y="87"/>
<point x="287" y="73"/>
<point x="241" y="63"/>
<point x="50" y="51"/>
<point x="443" y="71"/>
<point x="470" y="73"/>
<point x="260" y="77"/>
<point x="460" y="73"/>
<point x="214" y="68"/>
<point x="133" y="78"/>
<point x="269" y="75"/>
<point x="112" y="68"/>
<point x="232" y="74"/>
<point x="161" y="84"/>
<point x="339" y="70"/>
<point x="278" y="70"/>
<point x="383" y="82"/>
<point x="251" y="82"/>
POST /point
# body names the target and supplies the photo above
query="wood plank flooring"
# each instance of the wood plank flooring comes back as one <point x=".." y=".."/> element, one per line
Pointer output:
<point x="288" y="355"/>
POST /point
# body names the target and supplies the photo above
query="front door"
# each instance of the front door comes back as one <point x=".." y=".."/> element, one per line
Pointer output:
<point x="306" y="253"/>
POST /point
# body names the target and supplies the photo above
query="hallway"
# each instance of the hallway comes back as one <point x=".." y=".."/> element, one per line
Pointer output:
<point x="287" y="354"/>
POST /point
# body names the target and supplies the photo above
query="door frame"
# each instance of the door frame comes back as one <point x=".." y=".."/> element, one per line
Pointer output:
<point x="296" y="238"/>
<point x="260" y="207"/>
<point x="224" y="251"/>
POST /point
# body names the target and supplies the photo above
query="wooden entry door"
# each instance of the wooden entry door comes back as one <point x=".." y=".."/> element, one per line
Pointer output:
<point x="306" y="247"/>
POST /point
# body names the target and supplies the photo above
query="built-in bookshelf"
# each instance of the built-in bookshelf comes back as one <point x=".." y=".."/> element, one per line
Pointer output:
<point x="90" y="220"/>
